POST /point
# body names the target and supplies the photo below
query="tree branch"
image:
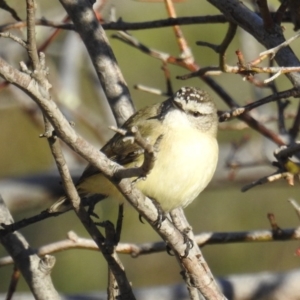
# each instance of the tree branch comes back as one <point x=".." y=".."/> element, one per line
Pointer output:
<point x="35" y="270"/>
<point x="102" y="56"/>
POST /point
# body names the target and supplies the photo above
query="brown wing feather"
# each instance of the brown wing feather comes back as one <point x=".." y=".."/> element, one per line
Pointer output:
<point x="123" y="150"/>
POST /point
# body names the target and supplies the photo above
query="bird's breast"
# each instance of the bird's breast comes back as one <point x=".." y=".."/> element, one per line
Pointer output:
<point x="186" y="161"/>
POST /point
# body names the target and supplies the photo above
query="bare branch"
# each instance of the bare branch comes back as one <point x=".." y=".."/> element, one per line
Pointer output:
<point x="36" y="271"/>
<point x="265" y="14"/>
<point x="122" y="25"/>
<point x="14" y="38"/>
<point x="6" y="7"/>
<point x="296" y="206"/>
<point x="31" y="42"/>
<point x="272" y="52"/>
<point x="135" y="250"/>
<point x="104" y="61"/>
<point x="13" y="283"/>
<point x="241" y="110"/>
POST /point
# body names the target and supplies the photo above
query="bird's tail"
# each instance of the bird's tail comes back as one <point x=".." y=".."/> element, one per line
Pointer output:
<point x="60" y="206"/>
<point x="63" y="204"/>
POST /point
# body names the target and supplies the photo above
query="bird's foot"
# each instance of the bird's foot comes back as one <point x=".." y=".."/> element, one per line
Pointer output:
<point x="91" y="202"/>
<point x="187" y="241"/>
<point x="161" y="215"/>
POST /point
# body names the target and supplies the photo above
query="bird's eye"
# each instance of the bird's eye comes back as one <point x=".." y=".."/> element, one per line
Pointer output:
<point x="197" y="114"/>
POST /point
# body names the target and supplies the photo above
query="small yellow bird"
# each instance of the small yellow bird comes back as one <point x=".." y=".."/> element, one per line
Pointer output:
<point x="187" y="152"/>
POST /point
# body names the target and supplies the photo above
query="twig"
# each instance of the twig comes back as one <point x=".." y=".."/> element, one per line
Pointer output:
<point x="221" y="49"/>
<point x="208" y="71"/>
<point x="280" y="11"/>
<point x="282" y="104"/>
<point x="286" y="152"/>
<point x="185" y="51"/>
<point x="14" y="38"/>
<point x="294" y="8"/>
<point x="122" y="25"/>
<point x="231" y="31"/>
<point x="296" y="206"/>
<point x="31" y="42"/>
<point x="55" y="33"/>
<point x="132" y="41"/>
<point x="265" y="13"/>
<point x="241" y="110"/>
<point x="270" y="178"/>
<point x="150" y="90"/>
<point x="169" y="88"/>
<point x="135" y="250"/>
<point x="7" y="228"/>
<point x="272" y="52"/>
<point x="113" y="292"/>
<point x="287" y="168"/>
<point x="275" y="228"/>
<point x="13" y="283"/>
<point x="6" y="7"/>
<point x="294" y="130"/>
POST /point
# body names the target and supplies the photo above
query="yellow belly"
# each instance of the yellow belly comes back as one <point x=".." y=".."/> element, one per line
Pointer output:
<point x="181" y="171"/>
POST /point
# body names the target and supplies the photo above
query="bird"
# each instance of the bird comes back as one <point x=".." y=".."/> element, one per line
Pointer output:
<point x="186" y="126"/>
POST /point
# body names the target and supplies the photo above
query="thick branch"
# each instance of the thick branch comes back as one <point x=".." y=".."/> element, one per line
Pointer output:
<point x="36" y="271"/>
<point x="104" y="61"/>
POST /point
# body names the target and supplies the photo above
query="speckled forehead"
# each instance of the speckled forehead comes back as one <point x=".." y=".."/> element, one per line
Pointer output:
<point x="188" y="93"/>
<point x="192" y="99"/>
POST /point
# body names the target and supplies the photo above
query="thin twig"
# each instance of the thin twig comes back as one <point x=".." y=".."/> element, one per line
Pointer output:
<point x="169" y="88"/>
<point x="280" y="11"/>
<point x="294" y="130"/>
<point x="286" y="152"/>
<point x="230" y="34"/>
<point x="185" y="51"/>
<point x="296" y="206"/>
<point x="265" y="13"/>
<point x="241" y="110"/>
<point x="136" y="250"/>
<point x="13" y="283"/>
<point x="270" y="178"/>
<point x="272" y="52"/>
<point x="31" y="41"/>
<point x="14" y="38"/>
<point x="6" y="7"/>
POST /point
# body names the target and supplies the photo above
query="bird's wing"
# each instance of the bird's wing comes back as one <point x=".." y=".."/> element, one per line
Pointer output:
<point x="122" y="148"/>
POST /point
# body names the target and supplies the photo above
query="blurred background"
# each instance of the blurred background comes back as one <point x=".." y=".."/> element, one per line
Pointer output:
<point x="29" y="179"/>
